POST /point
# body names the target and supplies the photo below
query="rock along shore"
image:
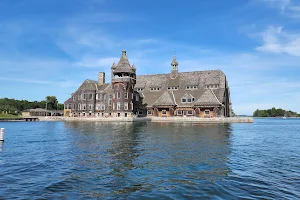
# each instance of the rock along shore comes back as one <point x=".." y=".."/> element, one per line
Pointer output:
<point x="153" y="119"/>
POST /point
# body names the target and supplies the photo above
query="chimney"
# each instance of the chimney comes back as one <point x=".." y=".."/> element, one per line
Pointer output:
<point x="101" y="78"/>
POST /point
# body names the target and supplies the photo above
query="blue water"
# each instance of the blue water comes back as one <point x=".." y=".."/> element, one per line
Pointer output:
<point x="90" y="160"/>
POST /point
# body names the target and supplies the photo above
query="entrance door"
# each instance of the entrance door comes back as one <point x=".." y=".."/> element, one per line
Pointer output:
<point x="184" y="112"/>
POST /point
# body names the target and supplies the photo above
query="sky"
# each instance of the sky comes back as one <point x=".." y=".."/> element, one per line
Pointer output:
<point x="50" y="47"/>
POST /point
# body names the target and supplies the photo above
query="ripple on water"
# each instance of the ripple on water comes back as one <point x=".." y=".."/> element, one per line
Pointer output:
<point x="90" y="160"/>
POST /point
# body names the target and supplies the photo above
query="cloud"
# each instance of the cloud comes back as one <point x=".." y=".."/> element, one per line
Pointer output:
<point x="93" y="62"/>
<point x="276" y="40"/>
<point x="288" y="8"/>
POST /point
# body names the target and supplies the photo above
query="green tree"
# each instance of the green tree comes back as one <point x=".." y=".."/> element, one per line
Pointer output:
<point x="51" y="102"/>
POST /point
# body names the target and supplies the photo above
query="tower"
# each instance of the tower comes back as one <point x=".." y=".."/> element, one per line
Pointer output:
<point x="123" y="82"/>
<point x="174" y="65"/>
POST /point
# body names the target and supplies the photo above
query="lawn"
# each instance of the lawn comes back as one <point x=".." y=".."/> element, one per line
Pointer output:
<point x="9" y="116"/>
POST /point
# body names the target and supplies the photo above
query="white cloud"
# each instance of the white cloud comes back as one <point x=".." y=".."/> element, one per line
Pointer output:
<point x="288" y="8"/>
<point x="276" y="40"/>
<point x="93" y="62"/>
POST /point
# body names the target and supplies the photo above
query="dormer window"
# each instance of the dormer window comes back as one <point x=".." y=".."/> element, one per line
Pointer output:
<point x="187" y="100"/>
<point x="215" y="86"/>
<point x="139" y="89"/>
<point x="173" y="88"/>
<point x="155" y="88"/>
<point x="191" y="87"/>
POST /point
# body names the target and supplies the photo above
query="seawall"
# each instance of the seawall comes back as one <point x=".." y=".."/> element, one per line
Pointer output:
<point x="153" y="119"/>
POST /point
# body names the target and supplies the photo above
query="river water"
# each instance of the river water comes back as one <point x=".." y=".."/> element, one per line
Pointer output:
<point x="143" y="160"/>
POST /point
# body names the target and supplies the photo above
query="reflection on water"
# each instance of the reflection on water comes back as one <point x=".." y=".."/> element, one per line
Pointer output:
<point x="89" y="160"/>
<point x="134" y="158"/>
<point x="1" y="145"/>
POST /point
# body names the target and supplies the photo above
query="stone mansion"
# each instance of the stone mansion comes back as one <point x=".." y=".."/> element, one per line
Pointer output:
<point x="203" y="94"/>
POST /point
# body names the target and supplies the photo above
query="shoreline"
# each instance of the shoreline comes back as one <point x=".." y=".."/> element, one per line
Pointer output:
<point x="152" y="119"/>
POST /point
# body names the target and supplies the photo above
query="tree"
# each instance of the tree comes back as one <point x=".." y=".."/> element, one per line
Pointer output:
<point x="51" y="103"/>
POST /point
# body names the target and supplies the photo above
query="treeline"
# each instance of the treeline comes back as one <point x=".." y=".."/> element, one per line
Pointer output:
<point x="273" y="112"/>
<point x="13" y="106"/>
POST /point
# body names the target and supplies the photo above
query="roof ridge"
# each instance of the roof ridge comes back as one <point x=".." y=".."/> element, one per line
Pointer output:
<point x="174" y="98"/>
<point x="215" y="96"/>
<point x="182" y="72"/>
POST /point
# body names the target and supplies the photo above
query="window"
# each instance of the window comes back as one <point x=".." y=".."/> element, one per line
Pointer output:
<point x="118" y="95"/>
<point x="125" y="106"/>
<point x="191" y="87"/>
<point x="84" y="96"/>
<point x="79" y="107"/>
<point x="74" y="106"/>
<point x="83" y="107"/>
<point x="74" y="98"/>
<point x="69" y="106"/>
<point x="97" y="96"/>
<point x="90" y="106"/>
<point x="207" y="112"/>
<point x="118" y="106"/>
<point x="139" y="89"/>
<point x="173" y="88"/>
<point x="98" y="107"/>
<point x="187" y="100"/>
<point x="110" y="96"/>
<point x="125" y="114"/>
<point x="78" y="97"/>
<point x="137" y="97"/>
<point x="126" y="95"/>
<point x="140" y="112"/>
<point x="102" y="107"/>
<point x="190" y="112"/>
<point x="179" y="112"/>
<point x="149" y="112"/>
<point x="90" y="96"/>
<point x="155" y="88"/>
<point x="109" y="102"/>
<point x="164" y="112"/>
<point x="131" y="104"/>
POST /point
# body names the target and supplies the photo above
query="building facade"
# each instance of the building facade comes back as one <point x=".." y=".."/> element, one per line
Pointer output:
<point x="198" y="93"/>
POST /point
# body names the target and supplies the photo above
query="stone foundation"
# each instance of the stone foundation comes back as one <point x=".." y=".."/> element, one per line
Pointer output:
<point x="153" y="119"/>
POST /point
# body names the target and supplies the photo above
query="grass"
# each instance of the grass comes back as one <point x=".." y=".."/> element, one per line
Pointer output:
<point x="9" y="116"/>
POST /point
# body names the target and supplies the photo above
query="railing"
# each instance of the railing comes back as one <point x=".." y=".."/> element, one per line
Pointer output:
<point x="121" y="79"/>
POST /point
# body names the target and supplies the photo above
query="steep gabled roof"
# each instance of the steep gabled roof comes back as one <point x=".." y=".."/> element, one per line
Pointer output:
<point x="123" y="64"/>
<point x="208" y="98"/>
<point x="88" y="85"/>
<point x="165" y="100"/>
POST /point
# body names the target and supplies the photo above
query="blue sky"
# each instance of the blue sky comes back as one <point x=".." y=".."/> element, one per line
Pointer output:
<point x="50" y="47"/>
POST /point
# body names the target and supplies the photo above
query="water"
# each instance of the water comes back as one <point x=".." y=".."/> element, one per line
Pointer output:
<point x="90" y="160"/>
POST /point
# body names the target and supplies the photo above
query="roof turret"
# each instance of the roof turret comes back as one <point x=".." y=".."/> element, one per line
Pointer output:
<point x="174" y="61"/>
<point x="133" y="67"/>
<point x="123" y="64"/>
<point x="114" y="66"/>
